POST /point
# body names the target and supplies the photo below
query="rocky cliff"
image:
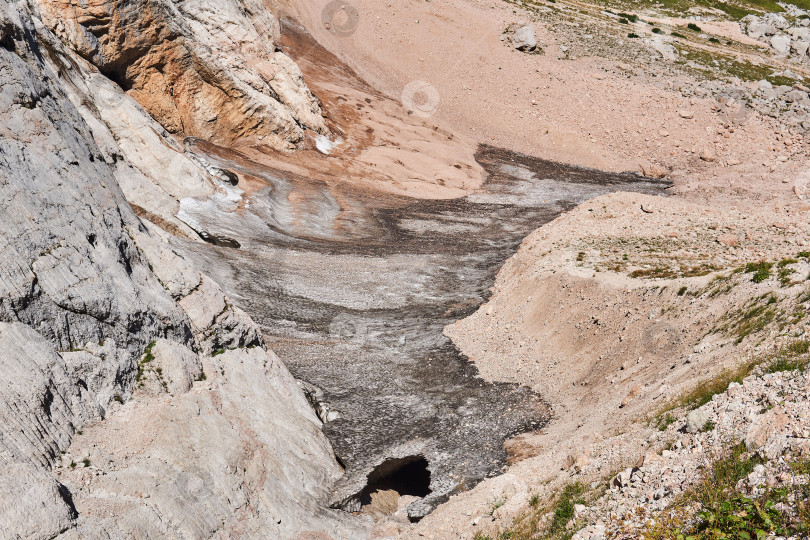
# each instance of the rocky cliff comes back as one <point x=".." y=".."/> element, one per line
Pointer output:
<point x="202" y="68"/>
<point x="135" y="399"/>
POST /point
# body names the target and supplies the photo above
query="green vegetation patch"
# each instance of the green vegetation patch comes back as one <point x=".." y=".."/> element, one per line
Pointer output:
<point x="666" y="272"/>
<point x="714" y="509"/>
<point x="706" y="390"/>
<point x="547" y="521"/>
<point x="733" y="9"/>
<point x="709" y="63"/>
<point x="784" y="271"/>
<point x="145" y="359"/>
<point x="791" y="357"/>
<point x="755" y="316"/>
<point x="761" y="271"/>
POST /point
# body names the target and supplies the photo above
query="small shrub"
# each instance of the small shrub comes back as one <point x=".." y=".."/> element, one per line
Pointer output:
<point x="86" y="462"/>
<point x="682" y="291"/>
<point x="784" y="272"/>
<point x="623" y="21"/>
<point x="714" y="40"/>
<point x="694" y="27"/>
<point x="630" y="17"/>
<point x="761" y="271"/>
<point x="664" y="421"/>
<point x="202" y="376"/>
<point x="632" y="35"/>
<point x="564" y="509"/>
<point x="677" y="35"/>
<point x="657" y="31"/>
<point x="534" y="500"/>
<point x="218" y="352"/>
<point x="147" y="353"/>
<point x="147" y="357"/>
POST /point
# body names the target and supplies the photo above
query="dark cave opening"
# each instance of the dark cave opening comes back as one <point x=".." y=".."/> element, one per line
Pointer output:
<point x="407" y="476"/>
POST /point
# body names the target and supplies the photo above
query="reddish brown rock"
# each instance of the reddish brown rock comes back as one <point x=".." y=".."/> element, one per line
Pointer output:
<point x="728" y="240"/>
<point x="203" y="70"/>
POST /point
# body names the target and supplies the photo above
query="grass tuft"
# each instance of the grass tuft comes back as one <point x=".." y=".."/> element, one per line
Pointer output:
<point x="713" y="508"/>
<point x="761" y="271"/>
<point x="147" y="357"/>
<point x="791" y="357"/>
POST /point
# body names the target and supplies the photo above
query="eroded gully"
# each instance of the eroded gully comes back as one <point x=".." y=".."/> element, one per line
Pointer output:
<point x="353" y="291"/>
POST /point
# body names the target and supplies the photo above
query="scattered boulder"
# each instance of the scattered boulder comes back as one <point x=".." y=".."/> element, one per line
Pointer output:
<point x="666" y="50"/>
<point x="762" y="429"/>
<point x="696" y="419"/>
<point x="179" y="365"/>
<point x="757" y="29"/>
<point x="651" y="170"/>
<point x="708" y="155"/>
<point x="593" y="532"/>
<point x="781" y="44"/>
<point x="524" y="39"/>
<point x="784" y="37"/>
<point x="728" y="240"/>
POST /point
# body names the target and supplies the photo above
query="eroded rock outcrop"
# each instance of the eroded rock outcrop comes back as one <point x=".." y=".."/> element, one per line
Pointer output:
<point x="113" y="347"/>
<point x="201" y="68"/>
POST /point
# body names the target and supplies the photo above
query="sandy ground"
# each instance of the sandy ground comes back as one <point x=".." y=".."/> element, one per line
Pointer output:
<point x="579" y="107"/>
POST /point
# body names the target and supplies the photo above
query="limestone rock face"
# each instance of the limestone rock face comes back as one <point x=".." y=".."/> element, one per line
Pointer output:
<point x="235" y="456"/>
<point x="95" y="307"/>
<point x="179" y="367"/>
<point x="217" y="323"/>
<point x="67" y="265"/>
<point x="206" y="68"/>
